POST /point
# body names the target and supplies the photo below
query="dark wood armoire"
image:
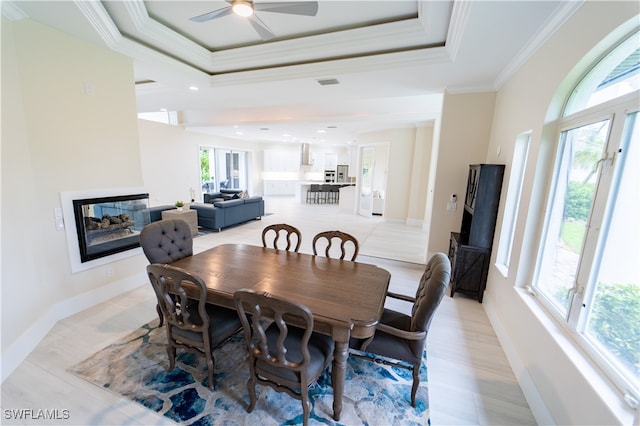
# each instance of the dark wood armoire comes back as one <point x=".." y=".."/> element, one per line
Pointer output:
<point x="470" y="249"/>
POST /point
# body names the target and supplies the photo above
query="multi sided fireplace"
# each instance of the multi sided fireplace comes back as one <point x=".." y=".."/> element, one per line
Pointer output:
<point x="108" y="225"/>
<point x="103" y="226"/>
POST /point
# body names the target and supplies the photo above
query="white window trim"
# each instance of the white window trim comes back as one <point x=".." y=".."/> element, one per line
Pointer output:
<point x="572" y="341"/>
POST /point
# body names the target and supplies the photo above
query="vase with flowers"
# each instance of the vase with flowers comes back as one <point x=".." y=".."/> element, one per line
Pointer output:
<point x="179" y="205"/>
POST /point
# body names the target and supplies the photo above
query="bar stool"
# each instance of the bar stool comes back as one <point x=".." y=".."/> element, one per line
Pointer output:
<point x="312" y="193"/>
<point x="325" y="190"/>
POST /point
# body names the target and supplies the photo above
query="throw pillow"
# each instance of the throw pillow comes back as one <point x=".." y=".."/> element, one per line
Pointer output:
<point x="245" y="194"/>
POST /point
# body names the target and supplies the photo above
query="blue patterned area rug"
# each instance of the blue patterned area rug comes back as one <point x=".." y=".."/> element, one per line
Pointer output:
<point x="135" y="368"/>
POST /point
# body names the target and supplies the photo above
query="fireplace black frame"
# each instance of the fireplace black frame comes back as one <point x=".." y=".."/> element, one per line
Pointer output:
<point x="137" y="205"/>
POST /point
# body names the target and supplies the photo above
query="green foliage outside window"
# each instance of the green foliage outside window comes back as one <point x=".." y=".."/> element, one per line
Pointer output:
<point x="204" y="165"/>
<point x="615" y="322"/>
<point x="578" y="204"/>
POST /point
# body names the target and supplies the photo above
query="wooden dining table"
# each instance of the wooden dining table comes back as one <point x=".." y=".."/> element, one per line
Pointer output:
<point x="346" y="298"/>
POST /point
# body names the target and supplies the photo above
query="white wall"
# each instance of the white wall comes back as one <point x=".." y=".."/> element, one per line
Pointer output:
<point x="403" y="171"/>
<point x="560" y="383"/>
<point x="170" y="161"/>
<point x="56" y="137"/>
<point x="464" y="137"/>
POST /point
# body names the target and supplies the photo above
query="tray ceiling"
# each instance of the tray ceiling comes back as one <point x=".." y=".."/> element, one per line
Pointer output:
<point x="392" y="59"/>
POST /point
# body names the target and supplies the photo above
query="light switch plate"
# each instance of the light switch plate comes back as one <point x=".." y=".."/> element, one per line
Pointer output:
<point x="59" y="219"/>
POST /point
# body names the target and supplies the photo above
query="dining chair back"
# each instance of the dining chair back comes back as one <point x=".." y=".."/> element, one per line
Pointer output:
<point x="348" y="244"/>
<point x="284" y="352"/>
<point x="402" y="337"/>
<point x="192" y="324"/>
<point x="291" y="232"/>
<point x="166" y="241"/>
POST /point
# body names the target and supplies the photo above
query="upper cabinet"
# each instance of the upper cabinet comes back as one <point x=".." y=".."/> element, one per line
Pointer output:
<point x="281" y="161"/>
<point x="484" y="183"/>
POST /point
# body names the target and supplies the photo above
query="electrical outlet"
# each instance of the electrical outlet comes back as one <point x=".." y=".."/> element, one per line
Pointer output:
<point x="110" y="272"/>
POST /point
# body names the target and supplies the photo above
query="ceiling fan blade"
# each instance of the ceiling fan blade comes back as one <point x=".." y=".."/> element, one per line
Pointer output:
<point x="212" y="15"/>
<point x="308" y="8"/>
<point x="261" y="28"/>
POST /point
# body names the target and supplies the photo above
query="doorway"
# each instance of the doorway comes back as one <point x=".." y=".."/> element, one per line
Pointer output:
<point x="372" y="178"/>
<point x="223" y="169"/>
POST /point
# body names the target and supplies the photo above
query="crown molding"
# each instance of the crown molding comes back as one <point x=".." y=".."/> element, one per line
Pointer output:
<point x="459" y="16"/>
<point x="561" y="14"/>
<point x="97" y="16"/>
<point x="175" y="43"/>
<point x="384" y="61"/>
<point x="11" y="11"/>
<point x="358" y="42"/>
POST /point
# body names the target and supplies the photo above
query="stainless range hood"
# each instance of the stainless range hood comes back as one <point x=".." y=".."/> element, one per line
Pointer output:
<point x="306" y="155"/>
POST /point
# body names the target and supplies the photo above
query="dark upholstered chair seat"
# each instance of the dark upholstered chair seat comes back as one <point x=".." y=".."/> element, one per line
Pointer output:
<point x="320" y="348"/>
<point x="392" y="346"/>
<point x="223" y="323"/>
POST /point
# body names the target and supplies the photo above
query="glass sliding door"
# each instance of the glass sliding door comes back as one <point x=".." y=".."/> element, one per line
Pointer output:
<point x="231" y="169"/>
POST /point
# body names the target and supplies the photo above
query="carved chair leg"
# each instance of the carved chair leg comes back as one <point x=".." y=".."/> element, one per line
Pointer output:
<point x="251" y="387"/>
<point x="210" y="366"/>
<point x="171" y="351"/>
<point x="306" y="406"/>
<point x="160" y="315"/>
<point x="416" y="382"/>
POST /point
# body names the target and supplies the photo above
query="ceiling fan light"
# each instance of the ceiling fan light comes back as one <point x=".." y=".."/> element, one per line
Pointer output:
<point x="242" y="8"/>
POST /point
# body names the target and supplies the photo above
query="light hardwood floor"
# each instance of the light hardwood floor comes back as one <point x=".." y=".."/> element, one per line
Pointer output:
<point x="470" y="381"/>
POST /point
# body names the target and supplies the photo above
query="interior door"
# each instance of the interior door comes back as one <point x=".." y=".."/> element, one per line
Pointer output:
<point x="367" y="163"/>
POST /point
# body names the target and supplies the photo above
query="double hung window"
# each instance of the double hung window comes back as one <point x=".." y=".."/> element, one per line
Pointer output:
<point x="588" y="267"/>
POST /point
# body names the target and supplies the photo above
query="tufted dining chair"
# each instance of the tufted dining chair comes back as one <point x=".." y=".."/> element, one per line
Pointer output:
<point x="192" y="324"/>
<point x="285" y="357"/>
<point x="330" y="236"/>
<point x="166" y="241"/>
<point x="290" y="231"/>
<point x="402" y="337"/>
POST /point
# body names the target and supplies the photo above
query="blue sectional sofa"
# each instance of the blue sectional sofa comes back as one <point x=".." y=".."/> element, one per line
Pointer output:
<point x="223" y="213"/>
<point x="155" y="213"/>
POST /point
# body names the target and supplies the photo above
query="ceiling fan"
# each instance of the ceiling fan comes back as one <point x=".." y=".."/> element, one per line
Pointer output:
<point x="246" y="8"/>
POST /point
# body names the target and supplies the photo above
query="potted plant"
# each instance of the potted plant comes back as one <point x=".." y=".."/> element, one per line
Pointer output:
<point x="179" y="205"/>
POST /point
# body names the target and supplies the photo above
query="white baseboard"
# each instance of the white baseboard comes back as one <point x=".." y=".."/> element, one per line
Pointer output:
<point x="415" y="222"/>
<point x="534" y="399"/>
<point x="27" y="342"/>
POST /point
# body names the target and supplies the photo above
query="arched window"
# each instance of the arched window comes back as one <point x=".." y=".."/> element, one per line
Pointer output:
<point x="617" y="74"/>
<point x="588" y="268"/>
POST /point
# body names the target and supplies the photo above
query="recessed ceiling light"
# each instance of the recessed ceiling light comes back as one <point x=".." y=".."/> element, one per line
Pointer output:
<point x="264" y="128"/>
<point x="194" y="88"/>
<point x="322" y="131"/>
<point x="163" y="109"/>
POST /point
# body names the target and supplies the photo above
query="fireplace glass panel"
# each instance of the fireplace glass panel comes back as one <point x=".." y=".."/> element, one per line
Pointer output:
<point x="109" y="225"/>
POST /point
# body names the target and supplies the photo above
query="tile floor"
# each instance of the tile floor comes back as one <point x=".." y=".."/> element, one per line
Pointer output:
<point x="470" y="381"/>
